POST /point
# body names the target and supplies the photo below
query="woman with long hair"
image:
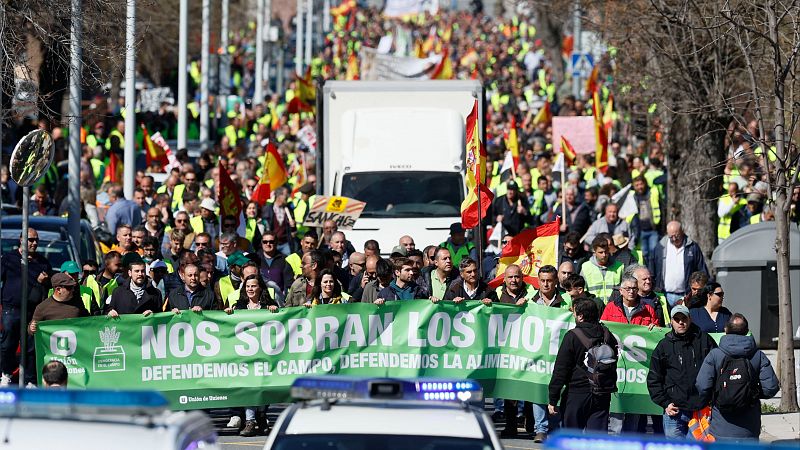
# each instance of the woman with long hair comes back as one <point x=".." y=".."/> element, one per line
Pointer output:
<point x="327" y="291"/>
<point x="709" y="314"/>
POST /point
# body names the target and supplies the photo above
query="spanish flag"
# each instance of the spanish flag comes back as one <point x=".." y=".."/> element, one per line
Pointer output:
<point x="544" y="115"/>
<point x="591" y="82"/>
<point x="305" y="89"/>
<point x="443" y="70"/>
<point x="513" y="141"/>
<point x="352" y="67"/>
<point x="113" y="169"/>
<point x="230" y="203"/>
<point x="153" y="152"/>
<point x="475" y="178"/>
<point x="568" y="151"/>
<point x="530" y="250"/>
<point x="273" y="175"/>
<point x="601" y="145"/>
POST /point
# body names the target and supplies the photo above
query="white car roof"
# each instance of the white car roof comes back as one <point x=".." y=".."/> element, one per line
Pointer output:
<point x="343" y="418"/>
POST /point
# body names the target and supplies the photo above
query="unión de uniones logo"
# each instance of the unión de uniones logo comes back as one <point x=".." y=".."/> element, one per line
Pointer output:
<point x="63" y="343"/>
<point x="110" y="357"/>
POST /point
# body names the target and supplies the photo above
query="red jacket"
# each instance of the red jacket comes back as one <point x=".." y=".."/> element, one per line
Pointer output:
<point x="643" y="314"/>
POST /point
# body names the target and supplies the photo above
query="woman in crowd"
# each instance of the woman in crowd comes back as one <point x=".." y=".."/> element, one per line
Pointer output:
<point x="711" y="316"/>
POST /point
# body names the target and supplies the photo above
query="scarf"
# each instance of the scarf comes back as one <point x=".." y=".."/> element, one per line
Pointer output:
<point x="138" y="291"/>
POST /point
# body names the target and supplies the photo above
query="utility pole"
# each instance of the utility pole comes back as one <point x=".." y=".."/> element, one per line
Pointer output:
<point x="74" y="164"/>
<point x="205" y="61"/>
<point x="258" y="95"/>
<point x="577" y="47"/>
<point x="298" y="39"/>
<point x="326" y="16"/>
<point x="183" y="49"/>
<point x="129" y="177"/>
<point x="309" y="30"/>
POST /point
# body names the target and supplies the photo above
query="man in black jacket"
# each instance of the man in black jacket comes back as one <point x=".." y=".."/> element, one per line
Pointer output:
<point x="580" y="408"/>
<point x="673" y="369"/>
<point x="468" y="285"/>
<point x="192" y="295"/>
<point x="134" y="295"/>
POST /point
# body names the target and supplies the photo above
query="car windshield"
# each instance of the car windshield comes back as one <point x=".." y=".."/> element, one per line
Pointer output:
<point x="55" y="250"/>
<point x="381" y="442"/>
<point x="406" y="194"/>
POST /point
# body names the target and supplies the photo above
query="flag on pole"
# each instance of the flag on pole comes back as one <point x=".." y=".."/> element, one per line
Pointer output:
<point x="305" y="88"/>
<point x="352" y="67"/>
<point x="601" y="144"/>
<point x="230" y="203"/>
<point x="530" y="250"/>
<point x="475" y="178"/>
<point x="608" y="114"/>
<point x="544" y="115"/>
<point x="568" y="151"/>
<point x="113" y="169"/>
<point x="273" y="175"/>
<point x="626" y="202"/>
<point x="513" y="142"/>
<point x="152" y="152"/>
<point x="444" y="69"/>
<point x="591" y="82"/>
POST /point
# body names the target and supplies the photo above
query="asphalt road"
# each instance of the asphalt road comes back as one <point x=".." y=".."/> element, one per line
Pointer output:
<point x="230" y="439"/>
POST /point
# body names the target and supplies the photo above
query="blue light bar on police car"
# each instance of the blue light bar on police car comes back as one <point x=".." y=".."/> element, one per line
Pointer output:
<point x="60" y="402"/>
<point x="422" y="389"/>
<point x="571" y="441"/>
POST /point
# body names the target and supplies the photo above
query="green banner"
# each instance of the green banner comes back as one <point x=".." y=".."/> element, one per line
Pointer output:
<point x="249" y="358"/>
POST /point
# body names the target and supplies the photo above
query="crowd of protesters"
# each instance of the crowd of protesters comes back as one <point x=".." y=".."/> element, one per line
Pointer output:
<point x="168" y="250"/>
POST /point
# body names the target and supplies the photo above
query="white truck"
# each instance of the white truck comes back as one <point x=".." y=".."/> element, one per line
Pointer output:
<point x="398" y="146"/>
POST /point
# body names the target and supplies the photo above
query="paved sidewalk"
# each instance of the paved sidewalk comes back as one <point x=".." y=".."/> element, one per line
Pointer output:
<point x="780" y="427"/>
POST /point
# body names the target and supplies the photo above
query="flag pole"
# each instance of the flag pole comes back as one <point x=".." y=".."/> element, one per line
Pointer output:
<point x="563" y="190"/>
<point x="480" y="230"/>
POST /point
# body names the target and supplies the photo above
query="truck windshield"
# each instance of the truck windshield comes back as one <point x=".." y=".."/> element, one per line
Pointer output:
<point x="406" y="194"/>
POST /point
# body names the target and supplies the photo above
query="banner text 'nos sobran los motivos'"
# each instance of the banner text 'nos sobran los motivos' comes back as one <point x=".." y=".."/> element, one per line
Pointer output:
<point x="249" y="358"/>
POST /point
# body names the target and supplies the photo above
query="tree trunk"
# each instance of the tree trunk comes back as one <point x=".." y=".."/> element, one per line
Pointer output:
<point x="695" y="147"/>
<point x="548" y="27"/>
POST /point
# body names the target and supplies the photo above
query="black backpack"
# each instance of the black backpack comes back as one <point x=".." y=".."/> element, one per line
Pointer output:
<point x="600" y="362"/>
<point x="737" y="386"/>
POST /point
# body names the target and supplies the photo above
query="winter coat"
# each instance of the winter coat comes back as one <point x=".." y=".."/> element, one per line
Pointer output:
<point x="745" y="423"/>
<point x="411" y="291"/>
<point x="203" y="297"/>
<point x="123" y="301"/>
<point x="693" y="261"/>
<point x="456" y="290"/>
<point x="643" y="314"/>
<point x="674" y="366"/>
<point x="569" y="369"/>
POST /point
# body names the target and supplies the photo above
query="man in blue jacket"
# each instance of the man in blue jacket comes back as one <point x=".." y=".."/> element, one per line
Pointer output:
<point x="743" y="422"/>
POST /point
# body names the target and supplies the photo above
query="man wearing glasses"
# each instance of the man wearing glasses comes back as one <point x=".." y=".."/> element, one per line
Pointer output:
<point x="632" y="310"/>
<point x="11" y="293"/>
<point x="274" y="267"/>
<point x="676" y="257"/>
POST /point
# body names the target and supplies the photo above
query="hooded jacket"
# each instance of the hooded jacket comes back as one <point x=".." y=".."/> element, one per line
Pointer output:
<point x="745" y="423"/>
<point x="674" y="366"/>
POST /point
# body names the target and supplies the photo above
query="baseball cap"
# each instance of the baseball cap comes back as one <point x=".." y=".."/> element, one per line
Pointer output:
<point x="456" y="228"/>
<point x="237" y="259"/>
<point x="70" y="267"/>
<point x="158" y="264"/>
<point x="512" y="185"/>
<point x="62" y="280"/>
<point x="680" y="309"/>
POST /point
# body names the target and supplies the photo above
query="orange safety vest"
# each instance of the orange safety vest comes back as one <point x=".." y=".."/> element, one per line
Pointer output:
<point x="700" y="424"/>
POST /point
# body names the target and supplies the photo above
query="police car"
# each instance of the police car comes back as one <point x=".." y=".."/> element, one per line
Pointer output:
<point x="89" y="420"/>
<point x="355" y="413"/>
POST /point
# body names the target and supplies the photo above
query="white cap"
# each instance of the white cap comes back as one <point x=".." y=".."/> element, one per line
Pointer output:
<point x="158" y="264"/>
<point x="208" y="204"/>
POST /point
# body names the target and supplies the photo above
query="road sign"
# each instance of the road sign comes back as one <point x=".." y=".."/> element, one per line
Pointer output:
<point x="581" y="64"/>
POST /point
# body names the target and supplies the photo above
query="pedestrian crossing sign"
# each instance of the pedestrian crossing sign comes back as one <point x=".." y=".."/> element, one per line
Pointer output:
<point x="581" y="64"/>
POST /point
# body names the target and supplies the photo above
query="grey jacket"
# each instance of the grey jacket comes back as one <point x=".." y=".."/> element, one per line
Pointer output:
<point x="746" y="423"/>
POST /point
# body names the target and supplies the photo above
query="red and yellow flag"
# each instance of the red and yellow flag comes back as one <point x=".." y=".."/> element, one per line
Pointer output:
<point x="568" y="151"/>
<point x="544" y="115"/>
<point x="530" y="250"/>
<point x="153" y="152"/>
<point x="591" y="82"/>
<point x="443" y="70"/>
<point x="475" y="178"/>
<point x="230" y="203"/>
<point x="352" y="67"/>
<point x="601" y="144"/>
<point x="273" y="175"/>
<point x="608" y="114"/>
<point x="113" y="169"/>
<point x="513" y="141"/>
<point x="305" y="88"/>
